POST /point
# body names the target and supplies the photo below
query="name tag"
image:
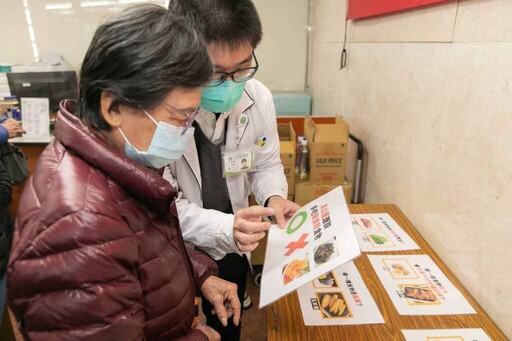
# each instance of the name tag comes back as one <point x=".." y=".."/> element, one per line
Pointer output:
<point x="237" y="161"/>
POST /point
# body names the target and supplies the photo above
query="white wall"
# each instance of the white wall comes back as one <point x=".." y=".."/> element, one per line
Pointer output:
<point x="429" y="92"/>
<point x="282" y="54"/>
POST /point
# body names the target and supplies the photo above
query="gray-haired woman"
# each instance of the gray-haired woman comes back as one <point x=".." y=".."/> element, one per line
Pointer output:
<point x="98" y="253"/>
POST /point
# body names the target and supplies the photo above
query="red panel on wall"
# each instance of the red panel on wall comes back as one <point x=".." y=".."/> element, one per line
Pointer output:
<point x="358" y="9"/>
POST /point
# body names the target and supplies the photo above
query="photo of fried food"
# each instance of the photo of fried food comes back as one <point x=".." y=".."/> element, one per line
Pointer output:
<point x="399" y="269"/>
<point x="294" y="269"/>
<point x="327" y="280"/>
<point x="333" y="305"/>
<point x="420" y="294"/>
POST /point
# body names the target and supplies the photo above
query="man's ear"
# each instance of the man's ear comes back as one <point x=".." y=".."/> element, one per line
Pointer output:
<point x="110" y="115"/>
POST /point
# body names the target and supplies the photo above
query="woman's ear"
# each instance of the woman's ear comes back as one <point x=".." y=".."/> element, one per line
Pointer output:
<point x="111" y="116"/>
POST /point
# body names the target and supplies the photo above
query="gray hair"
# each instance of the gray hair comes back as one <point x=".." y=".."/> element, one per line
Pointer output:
<point x="139" y="57"/>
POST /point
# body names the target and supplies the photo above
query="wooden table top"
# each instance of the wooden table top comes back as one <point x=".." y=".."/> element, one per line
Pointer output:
<point x="284" y="317"/>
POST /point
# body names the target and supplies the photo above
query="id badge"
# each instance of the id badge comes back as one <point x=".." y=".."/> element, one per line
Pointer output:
<point x="237" y="161"/>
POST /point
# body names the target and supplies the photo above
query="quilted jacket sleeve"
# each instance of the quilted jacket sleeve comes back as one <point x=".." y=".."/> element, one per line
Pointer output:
<point x="203" y="265"/>
<point x="76" y="279"/>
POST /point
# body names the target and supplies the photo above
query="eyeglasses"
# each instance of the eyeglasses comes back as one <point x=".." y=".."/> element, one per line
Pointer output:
<point x="190" y="119"/>
<point x="237" y="76"/>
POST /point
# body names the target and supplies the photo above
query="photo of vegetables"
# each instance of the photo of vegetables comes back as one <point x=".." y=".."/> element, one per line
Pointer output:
<point x="379" y="239"/>
<point x="333" y="305"/>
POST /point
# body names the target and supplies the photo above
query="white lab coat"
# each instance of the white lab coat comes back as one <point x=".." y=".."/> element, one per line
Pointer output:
<point x="210" y="230"/>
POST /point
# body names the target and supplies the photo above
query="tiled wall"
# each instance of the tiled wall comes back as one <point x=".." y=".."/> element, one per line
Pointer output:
<point x="429" y="91"/>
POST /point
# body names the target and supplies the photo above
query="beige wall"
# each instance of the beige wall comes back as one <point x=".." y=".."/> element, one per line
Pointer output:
<point x="68" y="32"/>
<point x="429" y="92"/>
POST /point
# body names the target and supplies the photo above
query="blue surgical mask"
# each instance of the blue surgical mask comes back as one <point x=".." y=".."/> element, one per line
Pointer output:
<point x="222" y="97"/>
<point x="167" y="145"/>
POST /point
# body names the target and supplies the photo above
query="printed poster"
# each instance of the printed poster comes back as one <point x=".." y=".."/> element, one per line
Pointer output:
<point x="338" y="297"/>
<point x="469" y="334"/>
<point x="317" y="239"/>
<point x="380" y="232"/>
<point x="417" y="286"/>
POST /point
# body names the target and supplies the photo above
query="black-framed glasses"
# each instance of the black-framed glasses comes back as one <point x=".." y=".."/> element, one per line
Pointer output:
<point x="237" y="76"/>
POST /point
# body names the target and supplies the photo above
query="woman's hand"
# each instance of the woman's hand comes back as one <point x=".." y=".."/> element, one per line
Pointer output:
<point x="223" y="296"/>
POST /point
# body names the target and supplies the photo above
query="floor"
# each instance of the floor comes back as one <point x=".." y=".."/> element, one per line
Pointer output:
<point x="254" y="326"/>
<point x="254" y="322"/>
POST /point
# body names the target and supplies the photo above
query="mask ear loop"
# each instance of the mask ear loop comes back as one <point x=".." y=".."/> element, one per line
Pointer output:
<point x="151" y="117"/>
<point x="125" y="138"/>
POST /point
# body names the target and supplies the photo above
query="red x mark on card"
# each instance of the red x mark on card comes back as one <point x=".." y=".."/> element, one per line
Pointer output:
<point x="299" y="244"/>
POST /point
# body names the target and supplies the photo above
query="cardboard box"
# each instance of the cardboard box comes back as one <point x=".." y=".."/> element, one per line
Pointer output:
<point x="287" y="142"/>
<point x="328" y="149"/>
<point x="308" y="191"/>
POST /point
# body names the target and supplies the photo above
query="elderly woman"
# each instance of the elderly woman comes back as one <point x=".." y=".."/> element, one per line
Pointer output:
<point x="97" y="251"/>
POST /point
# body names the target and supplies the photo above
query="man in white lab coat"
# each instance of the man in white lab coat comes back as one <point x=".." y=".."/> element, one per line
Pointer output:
<point x="236" y="121"/>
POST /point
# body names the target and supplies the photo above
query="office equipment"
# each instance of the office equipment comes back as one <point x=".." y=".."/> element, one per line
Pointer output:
<point x="55" y="85"/>
<point x="35" y="116"/>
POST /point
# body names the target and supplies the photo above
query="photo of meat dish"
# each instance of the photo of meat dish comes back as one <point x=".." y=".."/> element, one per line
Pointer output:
<point x="367" y="223"/>
<point x="419" y="294"/>
<point x="325" y="252"/>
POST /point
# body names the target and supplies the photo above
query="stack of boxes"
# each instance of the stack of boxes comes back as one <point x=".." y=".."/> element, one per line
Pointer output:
<point x="327" y="163"/>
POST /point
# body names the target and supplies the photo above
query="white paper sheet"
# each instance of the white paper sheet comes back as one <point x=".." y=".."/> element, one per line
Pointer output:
<point x="417" y="286"/>
<point x="380" y="232"/>
<point x="317" y="239"/>
<point x="318" y="299"/>
<point x="35" y="116"/>
<point x="469" y="334"/>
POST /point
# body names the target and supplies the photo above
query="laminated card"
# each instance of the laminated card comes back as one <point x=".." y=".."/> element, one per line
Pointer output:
<point x="316" y="240"/>
<point x="338" y="297"/>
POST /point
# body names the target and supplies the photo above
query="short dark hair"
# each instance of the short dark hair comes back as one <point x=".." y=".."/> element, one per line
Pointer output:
<point x="230" y="22"/>
<point x="139" y="57"/>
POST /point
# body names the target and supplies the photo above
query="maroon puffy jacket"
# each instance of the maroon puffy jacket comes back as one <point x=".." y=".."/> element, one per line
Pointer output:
<point x="97" y="254"/>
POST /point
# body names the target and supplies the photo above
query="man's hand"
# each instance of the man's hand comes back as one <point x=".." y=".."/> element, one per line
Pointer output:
<point x="13" y="127"/>
<point x="284" y="209"/>
<point x="248" y="228"/>
<point x="223" y="296"/>
<point x="210" y="333"/>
